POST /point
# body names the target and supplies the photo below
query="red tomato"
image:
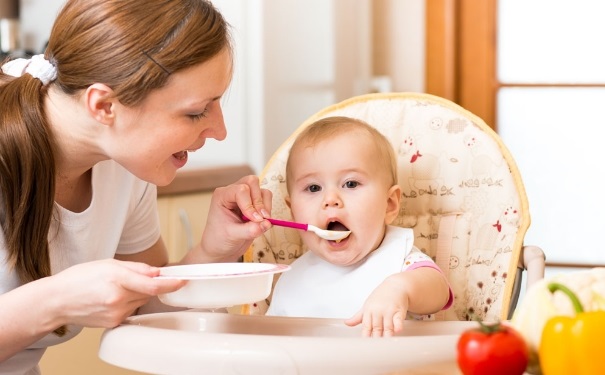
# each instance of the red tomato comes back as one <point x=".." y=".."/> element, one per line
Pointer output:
<point x="492" y="350"/>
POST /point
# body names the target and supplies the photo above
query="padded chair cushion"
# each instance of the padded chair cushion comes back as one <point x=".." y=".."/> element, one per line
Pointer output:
<point x="461" y="194"/>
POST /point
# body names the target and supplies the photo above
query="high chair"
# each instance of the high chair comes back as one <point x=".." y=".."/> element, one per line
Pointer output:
<point x="462" y="194"/>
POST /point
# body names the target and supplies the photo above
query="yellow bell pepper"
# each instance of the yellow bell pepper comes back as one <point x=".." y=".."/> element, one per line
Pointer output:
<point x="573" y="345"/>
<point x="538" y="305"/>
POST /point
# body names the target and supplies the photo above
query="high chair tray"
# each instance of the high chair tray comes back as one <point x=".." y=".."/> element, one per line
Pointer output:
<point x="194" y="342"/>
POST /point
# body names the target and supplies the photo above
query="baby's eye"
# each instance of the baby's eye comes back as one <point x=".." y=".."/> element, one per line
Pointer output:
<point x="351" y="184"/>
<point x="313" y="188"/>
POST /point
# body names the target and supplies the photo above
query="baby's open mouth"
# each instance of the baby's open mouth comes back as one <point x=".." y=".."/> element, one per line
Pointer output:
<point x="335" y="225"/>
<point x="339" y="227"/>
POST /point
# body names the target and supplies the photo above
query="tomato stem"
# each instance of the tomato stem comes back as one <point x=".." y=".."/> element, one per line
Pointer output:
<point x="489" y="328"/>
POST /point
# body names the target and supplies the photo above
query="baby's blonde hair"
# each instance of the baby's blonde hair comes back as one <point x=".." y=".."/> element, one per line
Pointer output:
<point x="329" y="127"/>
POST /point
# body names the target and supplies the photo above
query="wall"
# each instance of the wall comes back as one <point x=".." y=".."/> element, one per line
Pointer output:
<point x="37" y="17"/>
<point x="399" y="43"/>
<point x="316" y="53"/>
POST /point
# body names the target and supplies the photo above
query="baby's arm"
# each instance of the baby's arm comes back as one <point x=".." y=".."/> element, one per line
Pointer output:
<point x="421" y="290"/>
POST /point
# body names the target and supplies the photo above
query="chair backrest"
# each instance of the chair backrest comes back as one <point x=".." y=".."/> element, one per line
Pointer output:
<point x="462" y="195"/>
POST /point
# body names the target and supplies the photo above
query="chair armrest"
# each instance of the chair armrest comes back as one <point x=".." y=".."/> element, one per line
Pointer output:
<point x="533" y="261"/>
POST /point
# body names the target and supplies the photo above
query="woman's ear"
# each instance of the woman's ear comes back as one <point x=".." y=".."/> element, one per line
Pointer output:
<point x="393" y="201"/>
<point x="99" y="100"/>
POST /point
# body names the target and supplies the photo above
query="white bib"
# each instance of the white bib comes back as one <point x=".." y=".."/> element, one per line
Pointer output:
<point x="317" y="288"/>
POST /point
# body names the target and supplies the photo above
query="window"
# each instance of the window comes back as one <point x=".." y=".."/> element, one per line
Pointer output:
<point x="535" y="71"/>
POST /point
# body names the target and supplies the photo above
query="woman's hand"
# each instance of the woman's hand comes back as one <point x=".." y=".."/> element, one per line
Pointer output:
<point x="226" y="236"/>
<point x="104" y="293"/>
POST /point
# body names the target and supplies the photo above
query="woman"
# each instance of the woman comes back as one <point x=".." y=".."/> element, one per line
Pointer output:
<point x="124" y="90"/>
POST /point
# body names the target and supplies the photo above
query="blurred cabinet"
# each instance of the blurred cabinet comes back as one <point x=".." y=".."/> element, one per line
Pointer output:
<point x="182" y="219"/>
<point x="78" y="356"/>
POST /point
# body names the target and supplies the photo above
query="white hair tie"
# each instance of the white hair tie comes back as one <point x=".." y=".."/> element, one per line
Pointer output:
<point x="37" y="66"/>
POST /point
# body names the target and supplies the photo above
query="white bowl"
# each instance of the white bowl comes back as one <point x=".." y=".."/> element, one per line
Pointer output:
<point x="216" y="285"/>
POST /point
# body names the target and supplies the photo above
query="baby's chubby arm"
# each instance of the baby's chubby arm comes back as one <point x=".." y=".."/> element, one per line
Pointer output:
<point x="422" y="290"/>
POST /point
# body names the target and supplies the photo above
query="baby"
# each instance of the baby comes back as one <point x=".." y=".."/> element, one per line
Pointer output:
<point x="341" y="174"/>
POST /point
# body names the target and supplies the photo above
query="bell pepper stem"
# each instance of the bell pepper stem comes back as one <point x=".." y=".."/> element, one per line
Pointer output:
<point x="575" y="301"/>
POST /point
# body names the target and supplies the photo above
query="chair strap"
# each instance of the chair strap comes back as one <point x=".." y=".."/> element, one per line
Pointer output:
<point x="445" y="237"/>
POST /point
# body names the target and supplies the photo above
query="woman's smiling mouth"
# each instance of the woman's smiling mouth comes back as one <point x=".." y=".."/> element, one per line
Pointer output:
<point x="181" y="155"/>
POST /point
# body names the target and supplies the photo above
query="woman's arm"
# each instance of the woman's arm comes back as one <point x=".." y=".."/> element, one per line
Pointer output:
<point x="156" y="255"/>
<point x="27" y="314"/>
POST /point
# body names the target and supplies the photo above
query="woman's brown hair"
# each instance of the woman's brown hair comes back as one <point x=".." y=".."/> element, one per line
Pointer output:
<point x="133" y="46"/>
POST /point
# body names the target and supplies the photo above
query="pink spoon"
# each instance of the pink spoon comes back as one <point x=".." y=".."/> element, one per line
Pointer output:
<point x="331" y="235"/>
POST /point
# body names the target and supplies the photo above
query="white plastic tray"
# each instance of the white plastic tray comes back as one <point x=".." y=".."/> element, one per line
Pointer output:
<point x="196" y="342"/>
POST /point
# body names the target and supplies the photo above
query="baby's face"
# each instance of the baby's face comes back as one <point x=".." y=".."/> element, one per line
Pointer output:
<point x="339" y="184"/>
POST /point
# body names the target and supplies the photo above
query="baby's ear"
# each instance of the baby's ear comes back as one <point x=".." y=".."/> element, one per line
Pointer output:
<point x="393" y="201"/>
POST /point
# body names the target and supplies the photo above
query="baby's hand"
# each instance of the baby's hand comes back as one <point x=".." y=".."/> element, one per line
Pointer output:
<point x="382" y="314"/>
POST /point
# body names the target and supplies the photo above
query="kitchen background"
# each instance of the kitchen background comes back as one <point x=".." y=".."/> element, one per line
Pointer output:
<point x="295" y="57"/>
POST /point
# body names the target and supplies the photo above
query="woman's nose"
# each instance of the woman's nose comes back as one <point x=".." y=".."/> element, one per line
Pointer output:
<point x="217" y="130"/>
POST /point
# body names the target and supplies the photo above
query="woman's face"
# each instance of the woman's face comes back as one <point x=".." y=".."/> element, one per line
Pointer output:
<point x="153" y="139"/>
<point x="337" y="184"/>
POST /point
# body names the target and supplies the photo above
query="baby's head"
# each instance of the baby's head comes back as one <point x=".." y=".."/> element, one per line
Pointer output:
<point x="342" y="175"/>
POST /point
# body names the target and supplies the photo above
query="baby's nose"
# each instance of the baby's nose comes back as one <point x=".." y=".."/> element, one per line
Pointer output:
<point x="333" y="200"/>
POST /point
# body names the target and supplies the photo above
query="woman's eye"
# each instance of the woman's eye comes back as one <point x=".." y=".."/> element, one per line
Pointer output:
<point x="314" y="188"/>
<point x="351" y="184"/>
<point x="199" y="116"/>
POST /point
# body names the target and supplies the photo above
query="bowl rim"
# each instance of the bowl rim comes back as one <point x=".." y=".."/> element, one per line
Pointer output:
<point x="205" y="271"/>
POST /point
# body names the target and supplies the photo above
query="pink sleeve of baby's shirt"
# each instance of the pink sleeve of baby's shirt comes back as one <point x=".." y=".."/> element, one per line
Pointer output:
<point x="416" y="259"/>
